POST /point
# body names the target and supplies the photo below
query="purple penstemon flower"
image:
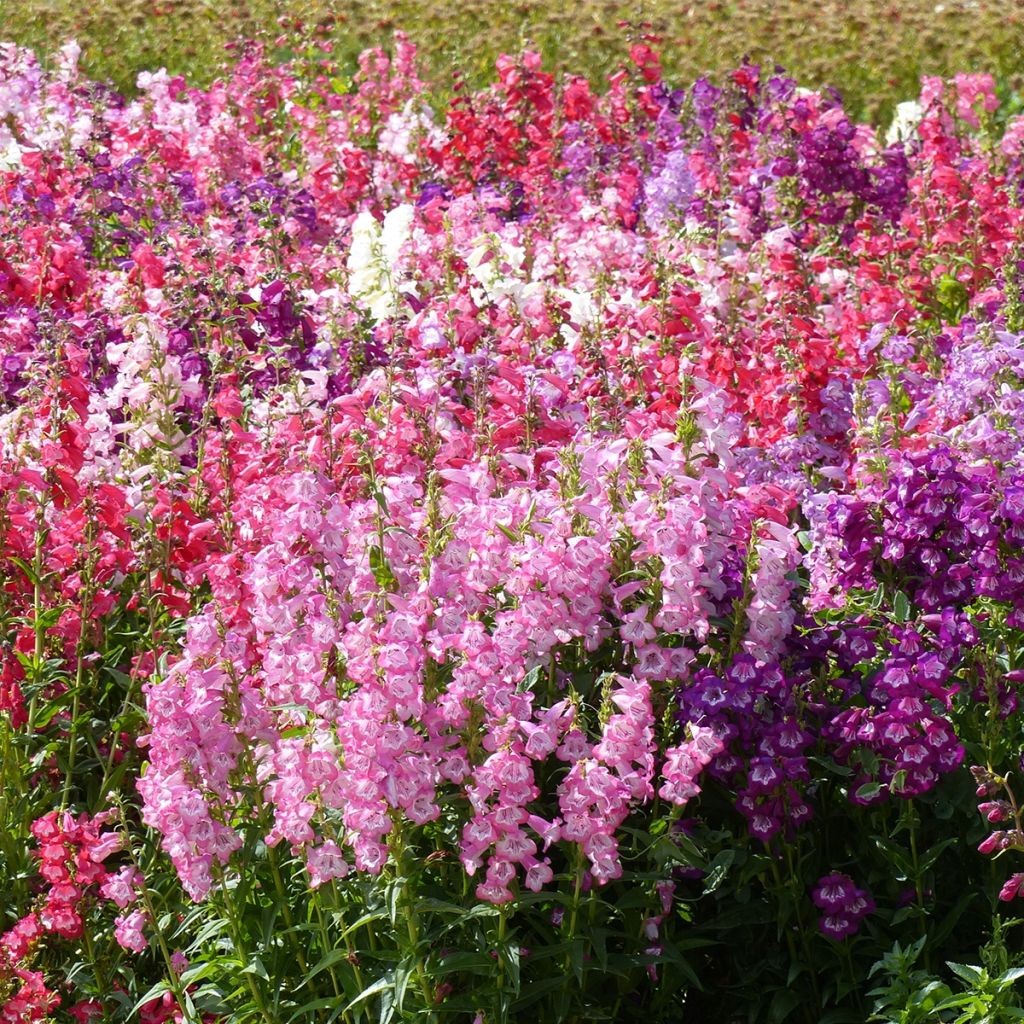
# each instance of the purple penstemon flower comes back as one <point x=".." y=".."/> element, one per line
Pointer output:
<point x="843" y="905"/>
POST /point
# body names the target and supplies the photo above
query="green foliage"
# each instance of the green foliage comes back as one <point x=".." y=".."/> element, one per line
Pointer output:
<point x="404" y="946"/>
<point x="914" y="995"/>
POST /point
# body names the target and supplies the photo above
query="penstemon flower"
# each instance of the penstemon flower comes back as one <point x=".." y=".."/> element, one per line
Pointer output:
<point x="409" y="503"/>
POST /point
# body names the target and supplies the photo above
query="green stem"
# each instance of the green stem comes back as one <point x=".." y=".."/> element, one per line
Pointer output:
<point x="795" y="958"/>
<point x="147" y="901"/>
<point x="853" y="978"/>
<point x="571" y="938"/>
<point x="353" y="957"/>
<point x="75" y="712"/>
<point x="37" y="628"/>
<point x="797" y="892"/>
<point x="412" y="925"/>
<point x="327" y="947"/>
<point x="85" y="612"/>
<point x="237" y="937"/>
<point x="500" y="982"/>
<point x="286" y="908"/>
<point x="918" y="881"/>
<point x="133" y="678"/>
<point x="97" y="970"/>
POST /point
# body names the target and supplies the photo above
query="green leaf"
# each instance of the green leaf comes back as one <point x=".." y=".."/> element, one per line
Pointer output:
<point x="949" y="922"/>
<point x="907" y="913"/>
<point x="380" y="985"/>
<point x="599" y="944"/>
<point x="509" y="954"/>
<point x="535" y="992"/>
<point x="376" y="915"/>
<point x="436" y="906"/>
<point x="897" y="857"/>
<point x="403" y="974"/>
<point x="953" y="1003"/>
<point x="508" y="533"/>
<point x="488" y="910"/>
<point x="831" y="766"/>
<point x="718" y="869"/>
<point x="783" y="1003"/>
<point x="972" y="975"/>
<point x="26" y="569"/>
<point x="325" y="963"/>
<point x="200" y="971"/>
<point x="471" y="963"/>
<point x="392" y="896"/>
<point x="308" y="1009"/>
<point x="381" y="570"/>
<point x="869" y="790"/>
<point x="529" y="681"/>
<point x="934" y="853"/>
<point x="576" y="959"/>
<point x="157" y="990"/>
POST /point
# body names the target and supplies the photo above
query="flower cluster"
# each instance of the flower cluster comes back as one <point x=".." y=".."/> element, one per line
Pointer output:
<point x="843" y="906"/>
<point x="70" y="864"/>
<point x="503" y="476"/>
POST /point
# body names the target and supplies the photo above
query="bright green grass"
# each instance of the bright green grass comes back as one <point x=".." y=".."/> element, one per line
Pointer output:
<point x="872" y="50"/>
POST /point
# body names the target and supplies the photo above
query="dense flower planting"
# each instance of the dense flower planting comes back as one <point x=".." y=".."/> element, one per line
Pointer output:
<point x="471" y="562"/>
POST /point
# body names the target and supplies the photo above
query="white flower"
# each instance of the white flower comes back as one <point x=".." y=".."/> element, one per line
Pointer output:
<point x="496" y="265"/>
<point x="904" y="123"/>
<point x="396" y="232"/>
<point x="10" y="157"/>
<point x="373" y="259"/>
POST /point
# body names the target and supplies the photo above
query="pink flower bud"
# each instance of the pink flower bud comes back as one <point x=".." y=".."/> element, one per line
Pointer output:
<point x="990" y="843"/>
<point x="1011" y="887"/>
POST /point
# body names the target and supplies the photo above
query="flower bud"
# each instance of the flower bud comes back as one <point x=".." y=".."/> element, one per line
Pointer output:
<point x="990" y="843"/>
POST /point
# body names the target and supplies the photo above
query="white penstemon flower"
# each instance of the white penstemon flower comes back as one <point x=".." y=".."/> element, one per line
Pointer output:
<point x="904" y="123"/>
<point x="497" y="265"/>
<point x="373" y="259"/>
<point x="10" y="156"/>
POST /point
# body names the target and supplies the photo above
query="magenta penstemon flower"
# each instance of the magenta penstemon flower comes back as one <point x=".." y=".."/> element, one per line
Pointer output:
<point x="842" y="905"/>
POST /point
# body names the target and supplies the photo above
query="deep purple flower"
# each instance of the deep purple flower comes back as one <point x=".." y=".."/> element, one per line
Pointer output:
<point x="843" y="905"/>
